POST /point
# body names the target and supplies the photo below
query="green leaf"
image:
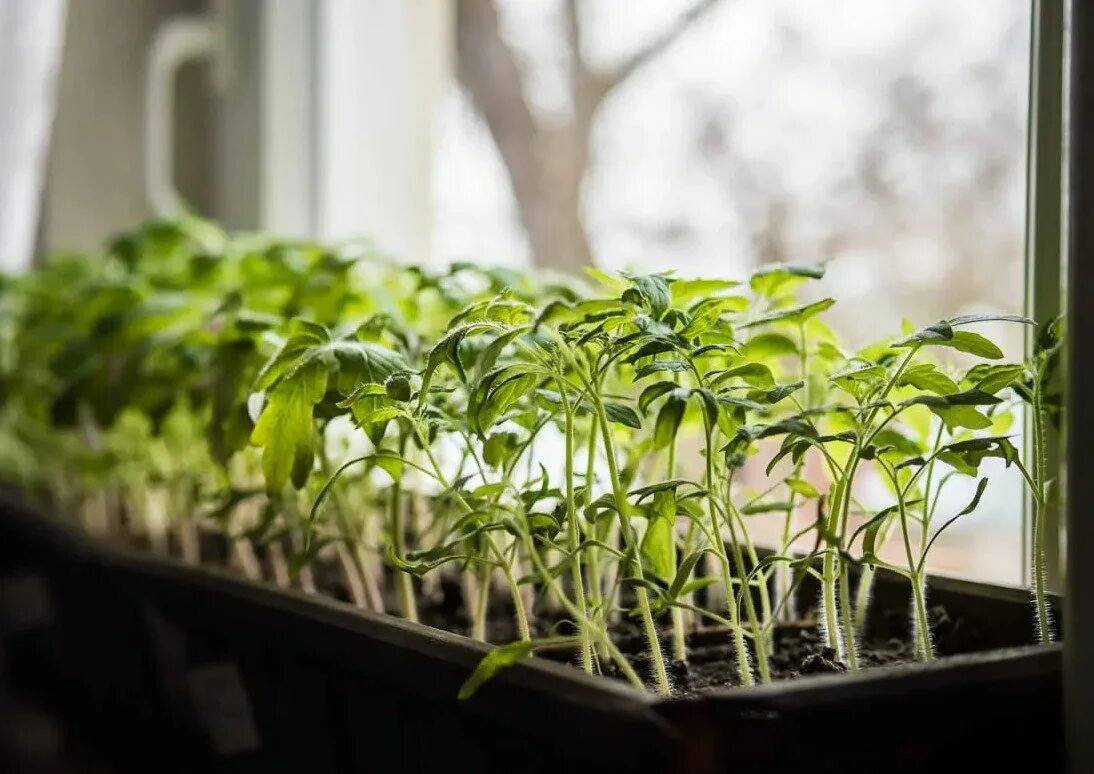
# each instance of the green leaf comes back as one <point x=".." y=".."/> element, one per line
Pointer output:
<point x="498" y="392"/>
<point x="663" y="486"/>
<point x="967" y="455"/>
<point x="731" y="402"/>
<point x="285" y="429"/>
<point x="304" y="339"/>
<point x="604" y="278"/>
<point x="769" y="345"/>
<point x="776" y="278"/>
<point x="669" y="418"/>
<point x="447" y="350"/>
<point x="857" y="372"/>
<point x="968" y="319"/>
<point x="659" y="366"/>
<point x="794" y="426"/>
<point x="925" y="376"/>
<point x="826" y="350"/>
<point x="380" y="415"/>
<point x="659" y="542"/>
<point x="683" y="574"/>
<point x="706" y="314"/>
<point x="797" y="314"/>
<point x="802" y="487"/>
<point x="940" y="331"/>
<point x="600" y="506"/>
<point x="873" y="530"/>
<point x="974" y="344"/>
<point x="420" y="563"/>
<point x="995" y="378"/>
<point x="493" y="662"/>
<point x="776" y="394"/>
<point x="507" y="655"/>
<point x="499" y="448"/>
<point x="363" y="361"/>
<point x="488" y="490"/>
<point x="390" y="463"/>
<point x="490" y="355"/>
<point x="972" y="397"/>
<point x="894" y="439"/>
<point x="766" y="506"/>
<point x="755" y="374"/>
<point x="957" y="410"/>
<point x="623" y="415"/>
<point x="366" y="390"/>
<point x="684" y="290"/>
<point x="653" y="392"/>
<point x="651" y="291"/>
<point x="980" y="487"/>
<point x="963" y="416"/>
<point x="942" y="334"/>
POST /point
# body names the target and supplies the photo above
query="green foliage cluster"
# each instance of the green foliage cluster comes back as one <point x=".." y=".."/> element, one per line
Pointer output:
<point x="579" y="449"/>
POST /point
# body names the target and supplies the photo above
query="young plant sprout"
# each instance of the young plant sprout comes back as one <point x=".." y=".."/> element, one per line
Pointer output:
<point x="541" y="465"/>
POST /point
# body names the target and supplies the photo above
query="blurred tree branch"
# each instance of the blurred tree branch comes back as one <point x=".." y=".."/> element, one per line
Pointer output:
<point x="546" y="163"/>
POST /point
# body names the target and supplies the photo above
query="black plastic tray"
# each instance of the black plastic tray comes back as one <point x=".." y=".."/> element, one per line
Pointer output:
<point x="146" y="665"/>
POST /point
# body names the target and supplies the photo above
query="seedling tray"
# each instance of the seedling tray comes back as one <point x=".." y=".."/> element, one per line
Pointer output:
<point x="147" y="665"/>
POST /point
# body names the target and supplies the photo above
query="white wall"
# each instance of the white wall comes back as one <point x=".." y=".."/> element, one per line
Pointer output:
<point x="31" y="34"/>
<point x="384" y="64"/>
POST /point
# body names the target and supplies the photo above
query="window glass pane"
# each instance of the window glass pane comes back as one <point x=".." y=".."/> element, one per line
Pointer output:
<point x="886" y="140"/>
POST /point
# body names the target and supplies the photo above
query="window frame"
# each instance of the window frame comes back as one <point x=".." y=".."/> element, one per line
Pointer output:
<point x="1044" y="244"/>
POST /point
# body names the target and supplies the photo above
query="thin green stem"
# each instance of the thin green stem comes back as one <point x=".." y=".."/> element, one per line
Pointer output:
<point x="829" y="604"/>
<point x="846" y="618"/>
<point x="580" y="617"/>
<point x="784" y="573"/>
<point x="839" y="615"/>
<point x="407" y="599"/>
<point x="656" y="656"/>
<point x="744" y="665"/>
<point x="869" y="573"/>
<point x="924" y="646"/>
<point x="845" y="613"/>
<point x="1044" y="623"/>
<point x="592" y="553"/>
<point x="758" y="638"/>
<point x="482" y="599"/>
<point x="506" y="567"/>
<point x="679" y="635"/>
<point x="574" y="535"/>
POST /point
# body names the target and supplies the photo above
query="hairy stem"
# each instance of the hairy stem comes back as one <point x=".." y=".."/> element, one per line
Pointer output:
<point x="1044" y="622"/>
<point x="574" y="535"/>
<point x="592" y="554"/>
<point x="657" y="658"/>
<point x="744" y="666"/>
<point x="579" y="616"/>
<point x="679" y="635"/>
<point x="492" y="546"/>
<point x="407" y="601"/>
<point x="922" y="630"/>
<point x="482" y="599"/>
<point x="759" y="640"/>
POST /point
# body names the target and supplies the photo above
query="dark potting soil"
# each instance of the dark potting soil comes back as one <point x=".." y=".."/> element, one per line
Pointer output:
<point x="799" y="648"/>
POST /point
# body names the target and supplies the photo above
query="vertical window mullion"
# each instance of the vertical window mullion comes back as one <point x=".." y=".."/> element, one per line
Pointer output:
<point x="1044" y="239"/>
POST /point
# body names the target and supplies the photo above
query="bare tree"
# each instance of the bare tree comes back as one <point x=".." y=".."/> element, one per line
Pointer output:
<point x="547" y="162"/>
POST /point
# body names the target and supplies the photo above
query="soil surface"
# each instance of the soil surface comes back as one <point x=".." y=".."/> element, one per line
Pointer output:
<point x="799" y="648"/>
